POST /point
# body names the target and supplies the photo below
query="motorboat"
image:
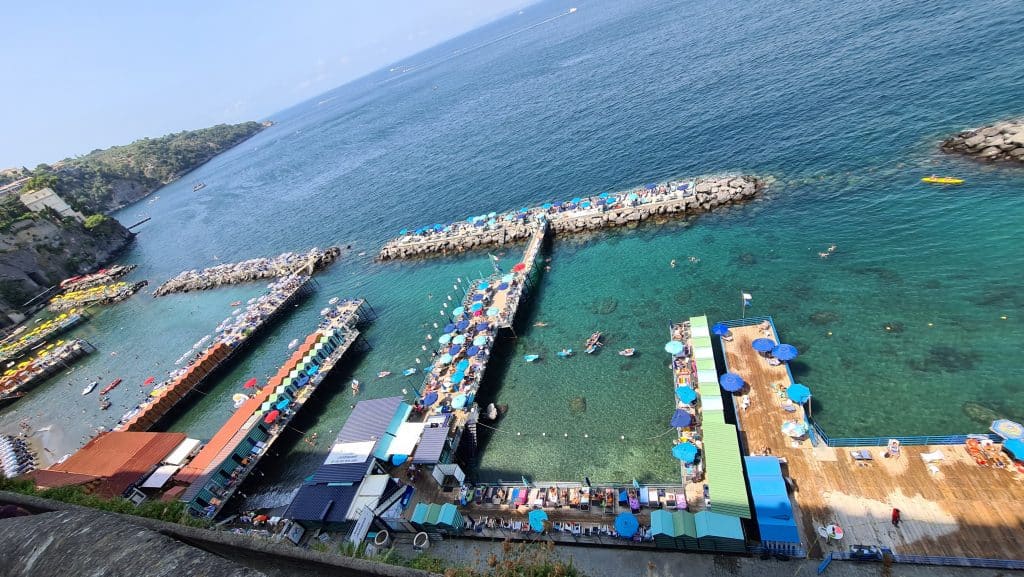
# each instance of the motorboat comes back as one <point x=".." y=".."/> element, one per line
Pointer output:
<point x="565" y="353"/>
<point x="104" y="403"/>
<point x="89" y="388"/>
<point x="383" y="374"/>
<point x="530" y="358"/>
<point x="942" y="180"/>
<point x="333" y="301"/>
<point x="409" y="371"/>
<point x="113" y="384"/>
<point x="293" y="344"/>
<point x="627" y="352"/>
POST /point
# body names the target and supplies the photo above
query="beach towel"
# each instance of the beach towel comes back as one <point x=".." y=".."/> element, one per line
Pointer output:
<point x="932" y="457"/>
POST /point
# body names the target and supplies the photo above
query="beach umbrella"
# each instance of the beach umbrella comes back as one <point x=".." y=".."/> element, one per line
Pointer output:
<point x="479" y="223"/>
<point x="785" y="352"/>
<point x="651" y="186"/>
<point x="585" y="204"/>
<point x="1007" y="429"/>
<point x="149" y="381"/>
<point x="603" y="195"/>
<point x="272" y="416"/>
<point x="503" y="286"/>
<point x="459" y="401"/>
<point x="449" y="327"/>
<point x="720" y="330"/>
<point x="445" y="359"/>
<point x="794" y="429"/>
<point x="483" y="286"/>
<point x="685" y="452"/>
<point x="686" y="394"/>
<point x="798" y="393"/>
<point x="674" y="348"/>
<point x="681" y="418"/>
<point x="459" y="339"/>
<point x="430" y="399"/>
<point x="508" y="278"/>
<point x="633" y="196"/>
<point x="482" y="326"/>
<point x="478" y="313"/>
<point x="476" y="299"/>
<point x="546" y="206"/>
<point x="282" y="405"/>
<point x="519" y="267"/>
<point x="472" y="351"/>
<point x="731" y="382"/>
<point x="508" y="217"/>
<point x="763" y="345"/>
<point x="576" y="200"/>
<point x="524" y="210"/>
<point x="477" y="307"/>
<point x="480" y="340"/>
<point x="462" y="365"/>
<point x="403" y="232"/>
<point x="458" y="311"/>
<point x="444" y="339"/>
<point x="250" y="383"/>
<point x="1015" y="447"/>
<point x="462" y="325"/>
<point x="602" y="202"/>
<point x="626" y="524"/>
<point x="537" y="518"/>
<point x="458" y="377"/>
<point x="456" y="349"/>
<point x="397" y="459"/>
<point x="238" y="399"/>
<point x="493" y="312"/>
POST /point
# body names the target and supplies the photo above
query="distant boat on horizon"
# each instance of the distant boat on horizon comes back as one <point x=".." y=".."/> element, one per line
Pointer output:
<point x="198" y="186"/>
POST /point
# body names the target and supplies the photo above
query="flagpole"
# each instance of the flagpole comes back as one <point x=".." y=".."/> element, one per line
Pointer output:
<point x="743" y="306"/>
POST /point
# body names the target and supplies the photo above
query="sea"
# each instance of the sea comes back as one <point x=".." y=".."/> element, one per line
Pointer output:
<point x="912" y="326"/>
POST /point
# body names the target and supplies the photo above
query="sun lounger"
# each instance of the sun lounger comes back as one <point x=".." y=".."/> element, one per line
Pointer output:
<point x="861" y="455"/>
<point x="932" y="457"/>
<point x="670" y="500"/>
<point x="585" y="499"/>
<point x="652" y="497"/>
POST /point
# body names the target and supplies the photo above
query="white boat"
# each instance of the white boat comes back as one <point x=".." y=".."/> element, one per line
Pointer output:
<point x="89" y="388"/>
<point x="333" y="301"/>
<point x="293" y="344"/>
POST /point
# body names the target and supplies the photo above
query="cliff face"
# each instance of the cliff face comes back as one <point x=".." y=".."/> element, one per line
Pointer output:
<point x="39" y="253"/>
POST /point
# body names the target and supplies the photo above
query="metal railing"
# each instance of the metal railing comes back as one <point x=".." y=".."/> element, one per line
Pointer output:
<point x="978" y="562"/>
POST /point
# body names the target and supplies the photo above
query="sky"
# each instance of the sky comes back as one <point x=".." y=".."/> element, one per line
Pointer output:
<point x="85" y="75"/>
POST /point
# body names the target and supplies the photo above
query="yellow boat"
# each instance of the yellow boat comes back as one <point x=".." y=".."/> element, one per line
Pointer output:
<point x="942" y="180"/>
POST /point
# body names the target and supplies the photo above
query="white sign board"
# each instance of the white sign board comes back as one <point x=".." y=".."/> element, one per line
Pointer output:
<point x="345" y="453"/>
<point x="362" y="526"/>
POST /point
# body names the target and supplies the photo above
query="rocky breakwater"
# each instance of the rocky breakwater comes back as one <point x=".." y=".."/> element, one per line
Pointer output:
<point x="250" y="270"/>
<point x="1002" y="141"/>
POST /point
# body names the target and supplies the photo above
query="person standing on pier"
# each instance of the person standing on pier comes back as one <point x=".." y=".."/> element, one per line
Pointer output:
<point x="896" y="518"/>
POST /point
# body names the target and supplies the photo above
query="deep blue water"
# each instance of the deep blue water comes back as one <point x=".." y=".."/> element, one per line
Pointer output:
<point x="843" y="104"/>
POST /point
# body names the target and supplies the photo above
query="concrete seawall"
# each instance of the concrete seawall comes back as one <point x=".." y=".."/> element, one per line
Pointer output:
<point x="621" y="209"/>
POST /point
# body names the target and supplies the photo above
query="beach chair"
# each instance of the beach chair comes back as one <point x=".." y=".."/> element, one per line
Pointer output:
<point x="585" y="499"/>
<point x="861" y="455"/>
<point x="670" y="500"/>
<point x="894" y="448"/>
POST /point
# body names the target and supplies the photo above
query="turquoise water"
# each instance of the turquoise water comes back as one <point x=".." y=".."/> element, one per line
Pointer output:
<point x="842" y="104"/>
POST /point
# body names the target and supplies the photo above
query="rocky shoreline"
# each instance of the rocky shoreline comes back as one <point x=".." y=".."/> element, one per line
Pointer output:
<point x="999" y="142"/>
<point x="702" y="195"/>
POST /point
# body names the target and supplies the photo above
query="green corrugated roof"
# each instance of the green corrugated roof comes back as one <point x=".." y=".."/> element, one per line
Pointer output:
<point x="711" y="524"/>
<point x="662" y="523"/>
<point x="700" y="341"/>
<point x="685" y="524"/>
<point x="701" y="321"/>
<point x="706" y="365"/>
<point x="712" y="416"/>
<point x="724" y="465"/>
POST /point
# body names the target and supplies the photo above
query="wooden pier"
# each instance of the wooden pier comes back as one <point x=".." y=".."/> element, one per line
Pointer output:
<point x="952" y="507"/>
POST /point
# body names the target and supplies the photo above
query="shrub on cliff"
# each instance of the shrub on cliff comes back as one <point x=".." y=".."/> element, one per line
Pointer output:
<point x="94" y="220"/>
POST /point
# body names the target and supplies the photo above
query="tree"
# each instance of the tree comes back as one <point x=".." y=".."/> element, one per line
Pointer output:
<point x="94" y="220"/>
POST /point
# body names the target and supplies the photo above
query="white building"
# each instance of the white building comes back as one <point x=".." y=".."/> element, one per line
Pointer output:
<point x="46" y="197"/>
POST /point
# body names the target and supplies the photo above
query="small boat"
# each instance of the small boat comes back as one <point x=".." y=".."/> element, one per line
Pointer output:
<point x="942" y="180"/>
<point x="89" y="388"/>
<point x="236" y="303"/>
<point x="113" y="384"/>
<point x="410" y="371"/>
<point x="198" y="186"/>
<point x="627" y="352"/>
<point x="565" y="353"/>
<point x="293" y="344"/>
<point x="530" y="358"/>
<point x="594" y="342"/>
<point x="333" y="301"/>
<point x="104" y="403"/>
<point x="383" y="374"/>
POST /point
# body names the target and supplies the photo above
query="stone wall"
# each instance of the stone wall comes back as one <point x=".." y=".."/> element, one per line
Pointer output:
<point x="1002" y="141"/>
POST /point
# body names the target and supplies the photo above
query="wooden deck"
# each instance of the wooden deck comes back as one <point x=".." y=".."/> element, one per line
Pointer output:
<point x="956" y="509"/>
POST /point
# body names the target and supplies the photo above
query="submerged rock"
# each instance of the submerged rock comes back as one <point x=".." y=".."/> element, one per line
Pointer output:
<point x="606" y="306"/>
<point x="748" y="258"/>
<point x="824" y="317"/>
<point x="1002" y="141"/>
<point x="946" y="359"/>
<point x="979" y="413"/>
<point x="578" y="405"/>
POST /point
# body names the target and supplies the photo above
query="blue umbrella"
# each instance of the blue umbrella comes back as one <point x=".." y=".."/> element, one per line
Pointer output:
<point x="763" y="345"/>
<point x="683" y="187"/>
<point x="456" y="349"/>
<point x="458" y="311"/>
<point x="462" y="365"/>
<point x="459" y="339"/>
<point x="444" y="339"/>
<point x="492" y="214"/>
<point x="449" y="328"/>
<point x="1007" y="429"/>
<point x="462" y="325"/>
<point x="471" y="219"/>
<point x="477" y="307"/>
<point x="492" y="312"/>
<point x="685" y="452"/>
<point x="282" y="405"/>
<point x="798" y="393"/>
<point x="503" y="286"/>
<point x="585" y="204"/>
<point x="472" y="351"/>
<point x="1015" y="447"/>
<point x="686" y="394"/>
<point x="438" y="227"/>
<point x="652" y="186"/>
<point x="557" y="205"/>
<point x="477" y="297"/>
<point x="546" y="206"/>
<point x="537" y="518"/>
<point x="794" y="429"/>
<point x="524" y="210"/>
<point x="445" y="359"/>
<point x="603" y="195"/>
<point x="404" y="231"/>
<point x="508" y="216"/>
<point x="459" y="401"/>
<point x="785" y="352"/>
<point x="430" y="399"/>
<point x="633" y="196"/>
<point x="520" y="216"/>
<point x="576" y="200"/>
<point x="482" y="326"/>
<point x="674" y="348"/>
<point x="731" y="382"/>
<point x="397" y="459"/>
<point x="457" y="377"/>
<point x="720" y="330"/>
<point x="508" y="278"/>
<point x="602" y="201"/>
<point x="480" y="340"/>
<point x="483" y="286"/>
<point x="681" y="418"/>
<point x="479" y="223"/>
<point x="626" y="524"/>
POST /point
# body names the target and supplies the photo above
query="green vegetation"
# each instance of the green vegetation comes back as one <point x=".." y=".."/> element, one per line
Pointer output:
<point x="94" y="220"/>
<point x="88" y="183"/>
<point x="173" y="512"/>
<point x="11" y="211"/>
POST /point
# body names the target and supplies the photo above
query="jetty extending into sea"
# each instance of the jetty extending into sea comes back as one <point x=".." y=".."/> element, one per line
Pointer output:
<point x="654" y="201"/>
<point x="224" y="463"/>
<point x="232" y="336"/>
<point x="249" y="270"/>
<point x="49" y="361"/>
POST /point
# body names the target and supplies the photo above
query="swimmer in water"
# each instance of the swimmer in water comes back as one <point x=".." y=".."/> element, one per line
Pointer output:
<point x="694" y="259"/>
<point x="673" y="263"/>
<point x="355" y="387"/>
<point x="540" y="324"/>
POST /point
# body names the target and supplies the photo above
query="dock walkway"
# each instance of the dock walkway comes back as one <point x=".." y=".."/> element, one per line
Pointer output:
<point x="220" y="468"/>
<point x="950" y="507"/>
<point x="249" y="270"/>
<point x="668" y="200"/>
